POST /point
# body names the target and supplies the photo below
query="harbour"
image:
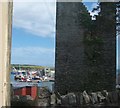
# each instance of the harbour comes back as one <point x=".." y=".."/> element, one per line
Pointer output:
<point x="17" y="84"/>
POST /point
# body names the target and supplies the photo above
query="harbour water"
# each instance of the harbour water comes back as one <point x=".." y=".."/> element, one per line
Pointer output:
<point x="16" y="84"/>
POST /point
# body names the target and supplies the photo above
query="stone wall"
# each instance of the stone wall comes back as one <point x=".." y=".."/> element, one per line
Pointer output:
<point x="85" y="49"/>
<point x="99" y="99"/>
<point x="107" y="31"/>
<point x="69" y="48"/>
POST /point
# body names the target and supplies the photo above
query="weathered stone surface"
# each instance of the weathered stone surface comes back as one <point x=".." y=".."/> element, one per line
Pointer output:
<point x="64" y="100"/>
<point x="17" y="101"/>
<point x="16" y="98"/>
<point x="86" y="97"/>
<point x="43" y="102"/>
<point x="43" y="92"/>
<point x="53" y="99"/>
<point x="44" y="97"/>
<point x="81" y="64"/>
<point x="100" y="96"/>
<point x="69" y="48"/>
<point x="82" y="100"/>
<point x="72" y="98"/>
<point x="26" y="98"/>
<point x="95" y="100"/>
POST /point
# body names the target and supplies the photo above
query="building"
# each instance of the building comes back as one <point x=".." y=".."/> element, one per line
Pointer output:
<point x="46" y="71"/>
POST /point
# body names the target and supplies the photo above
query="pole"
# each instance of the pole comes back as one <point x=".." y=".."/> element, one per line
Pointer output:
<point x="5" y="52"/>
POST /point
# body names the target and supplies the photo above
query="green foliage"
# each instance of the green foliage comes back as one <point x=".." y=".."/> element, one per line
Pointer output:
<point x="86" y="20"/>
<point x="93" y="41"/>
<point x="93" y="56"/>
<point x="93" y="51"/>
<point x="27" y="67"/>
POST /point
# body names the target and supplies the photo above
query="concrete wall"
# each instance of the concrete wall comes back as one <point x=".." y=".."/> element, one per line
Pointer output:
<point x="5" y="46"/>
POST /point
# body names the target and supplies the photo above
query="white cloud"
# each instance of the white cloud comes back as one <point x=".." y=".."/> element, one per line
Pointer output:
<point x="33" y="55"/>
<point x="34" y="1"/>
<point x="94" y="5"/>
<point x="93" y="13"/>
<point x="37" y="18"/>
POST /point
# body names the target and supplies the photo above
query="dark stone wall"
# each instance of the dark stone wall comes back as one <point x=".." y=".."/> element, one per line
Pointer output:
<point x="101" y="51"/>
<point x="69" y="48"/>
<point x="78" y="67"/>
<point x="106" y="30"/>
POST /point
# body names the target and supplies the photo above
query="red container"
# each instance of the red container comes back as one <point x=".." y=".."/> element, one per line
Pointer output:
<point x="33" y="92"/>
<point x="23" y="91"/>
<point x="17" y="91"/>
<point x="27" y="90"/>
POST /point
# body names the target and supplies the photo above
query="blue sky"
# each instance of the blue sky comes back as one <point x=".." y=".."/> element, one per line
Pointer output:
<point x="33" y="33"/>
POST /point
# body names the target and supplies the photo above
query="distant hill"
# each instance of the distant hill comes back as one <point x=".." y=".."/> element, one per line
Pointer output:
<point x="26" y="66"/>
<point x="29" y="67"/>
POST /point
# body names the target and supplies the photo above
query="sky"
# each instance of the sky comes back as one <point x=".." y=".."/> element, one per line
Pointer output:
<point x="118" y="52"/>
<point x="33" y="32"/>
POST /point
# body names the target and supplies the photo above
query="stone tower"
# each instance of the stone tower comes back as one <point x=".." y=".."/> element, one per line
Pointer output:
<point x="100" y="50"/>
<point x="82" y="64"/>
<point x="69" y="47"/>
<point x="106" y="26"/>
